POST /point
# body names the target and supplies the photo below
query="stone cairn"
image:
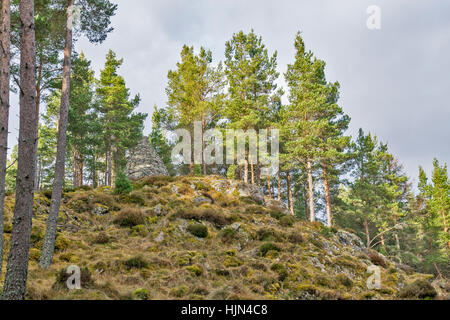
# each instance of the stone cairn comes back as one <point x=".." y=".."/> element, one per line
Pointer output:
<point x="143" y="161"/>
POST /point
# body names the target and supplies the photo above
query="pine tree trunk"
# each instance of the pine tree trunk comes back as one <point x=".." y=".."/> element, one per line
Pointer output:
<point x="290" y="197"/>
<point x="270" y="188"/>
<point x="312" y="214"/>
<point x="246" y="171"/>
<point x="78" y="163"/>
<point x="279" y="185"/>
<point x="326" y="186"/>
<point x="252" y="170"/>
<point x="58" y="183"/>
<point x="366" y="227"/>
<point x="17" y="268"/>
<point x="205" y="172"/>
<point x="38" y="106"/>
<point x="5" y="32"/>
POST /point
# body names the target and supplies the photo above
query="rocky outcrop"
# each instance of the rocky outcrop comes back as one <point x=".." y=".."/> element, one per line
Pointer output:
<point x="143" y="161"/>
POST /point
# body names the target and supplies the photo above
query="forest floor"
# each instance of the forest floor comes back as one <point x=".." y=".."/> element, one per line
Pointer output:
<point x="199" y="238"/>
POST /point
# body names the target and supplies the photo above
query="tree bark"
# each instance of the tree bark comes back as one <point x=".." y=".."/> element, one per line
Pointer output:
<point x="58" y="183"/>
<point x="326" y="186"/>
<point x="17" y="268"/>
<point x="269" y="187"/>
<point x="78" y="164"/>
<point x="279" y="185"/>
<point x="290" y="197"/>
<point x="38" y="106"/>
<point x="5" y="44"/>
<point x="312" y="214"/>
<point x="366" y="227"/>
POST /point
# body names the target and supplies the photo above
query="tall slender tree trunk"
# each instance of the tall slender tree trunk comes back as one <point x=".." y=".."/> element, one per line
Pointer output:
<point x="312" y="214"/>
<point x="78" y="164"/>
<point x="5" y="43"/>
<point x="279" y="185"/>
<point x="252" y="171"/>
<point x="326" y="187"/>
<point x="38" y="106"/>
<point x="50" y="232"/>
<point x="444" y="220"/>
<point x="366" y="228"/>
<point x="205" y="171"/>
<point x="290" y="197"/>
<point x="269" y="187"/>
<point x="17" y="268"/>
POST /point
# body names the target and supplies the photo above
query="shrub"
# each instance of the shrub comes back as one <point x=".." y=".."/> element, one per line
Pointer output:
<point x="195" y="270"/>
<point x="266" y="247"/>
<point x="101" y="238"/>
<point x="122" y="185"/>
<point x="137" y="262"/>
<point x="295" y="238"/>
<point x="198" y="230"/>
<point x="232" y="261"/>
<point x="268" y="234"/>
<point x="142" y="294"/>
<point x="135" y="197"/>
<point x="62" y="276"/>
<point x="287" y="221"/>
<point x="130" y="217"/>
<point x="377" y="259"/>
<point x="204" y="214"/>
<point x="419" y="289"/>
<point x="228" y="235"/>
<point x="344" y="280"/>
<point x="280" y="270"/>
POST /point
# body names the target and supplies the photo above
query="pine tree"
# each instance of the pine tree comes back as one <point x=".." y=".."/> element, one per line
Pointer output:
<point x="302" y="120"/>
<point x="5" y="43"/>
<point x="17" y="268"/>
<point x="95" y="20"/>
<point x="121" y="127"/>
<point x="82" y="115"/>
<point x="194" y="92"/>
<point x="251" y="75"/>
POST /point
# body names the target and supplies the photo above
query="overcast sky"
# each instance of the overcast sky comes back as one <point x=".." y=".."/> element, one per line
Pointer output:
<point x="395" y="82"/>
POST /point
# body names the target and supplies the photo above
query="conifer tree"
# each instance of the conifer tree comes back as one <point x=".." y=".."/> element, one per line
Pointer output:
<point x="194" y="92"/>
<point x="303" y="118"/>
<point x="251" y="75"/>
<point x="121" y="127"/>
<point x="5" y="56"/>
<point x="94" y="23"/>
<point x="17" y="268"/>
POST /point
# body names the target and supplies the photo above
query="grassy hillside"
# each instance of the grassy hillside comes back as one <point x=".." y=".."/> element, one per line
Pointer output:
<point x="198" y="238"/>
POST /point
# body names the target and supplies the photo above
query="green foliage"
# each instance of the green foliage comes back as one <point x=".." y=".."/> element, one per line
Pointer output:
<point x="266" y="247"/>
<point x="122" y="184"/>
<point x="137" y="262"/>
<point x="231" y="172"/>
<point x="198" y="230"/>
<point x="129" y="217"/>
<point x="142" y="294"/>
<point x="419" y="289"/>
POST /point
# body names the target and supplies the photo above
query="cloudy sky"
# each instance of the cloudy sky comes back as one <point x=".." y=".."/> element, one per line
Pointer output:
<point x="395" y="82"/>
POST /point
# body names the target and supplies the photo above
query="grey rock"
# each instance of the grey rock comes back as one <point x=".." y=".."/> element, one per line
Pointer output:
<point x="160" y="237"/>
<point x="158" y="210"/>
<point x="236" y="226"/>
<point x="277" y="205"/>
<point x="201" y="200"/>
<point x="143" y="161"/>
<point x="252" y="191"/>
<point x="99" y="210"/>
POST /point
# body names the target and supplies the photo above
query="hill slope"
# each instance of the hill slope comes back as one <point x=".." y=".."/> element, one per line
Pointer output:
<point x="203" y="238"/>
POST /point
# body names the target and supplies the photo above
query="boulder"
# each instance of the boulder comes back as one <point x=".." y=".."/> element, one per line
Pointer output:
<point x="251" y="191"/>
<point x="143" y="161"/>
